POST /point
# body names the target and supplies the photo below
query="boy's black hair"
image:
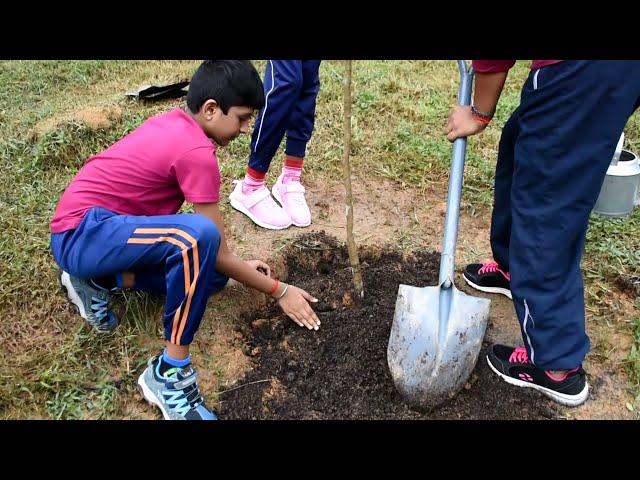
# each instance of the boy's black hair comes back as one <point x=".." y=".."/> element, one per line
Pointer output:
<point x="231" y="83"/>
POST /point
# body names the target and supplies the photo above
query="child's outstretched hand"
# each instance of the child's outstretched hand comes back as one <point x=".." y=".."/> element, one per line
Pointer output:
<point x="295" y="303"/>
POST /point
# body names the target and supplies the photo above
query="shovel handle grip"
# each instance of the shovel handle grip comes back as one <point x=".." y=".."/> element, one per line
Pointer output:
<point x="447" y="258"/>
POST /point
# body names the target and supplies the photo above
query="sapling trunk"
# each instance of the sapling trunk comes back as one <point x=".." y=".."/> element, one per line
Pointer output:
<point x="354" y="261"/>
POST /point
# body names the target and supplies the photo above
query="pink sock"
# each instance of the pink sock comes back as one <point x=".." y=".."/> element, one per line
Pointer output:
<point x="292" y="168"/>
<point x="253" y="180"/>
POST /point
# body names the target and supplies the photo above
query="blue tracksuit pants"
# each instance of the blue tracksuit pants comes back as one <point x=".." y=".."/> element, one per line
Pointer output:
<point x="173" y="255"/>
<point x="552" y="160"/>
<point x="290" y="88"/>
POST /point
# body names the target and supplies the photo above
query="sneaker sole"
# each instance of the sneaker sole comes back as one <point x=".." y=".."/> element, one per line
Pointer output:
<point x="503" y="291"/>
<point x="72" y="295"/>
<point x="242" y="209"/>
<point x="150" y="397"/>
<point x="276" y="195"/>
<point x="562" y="398"/>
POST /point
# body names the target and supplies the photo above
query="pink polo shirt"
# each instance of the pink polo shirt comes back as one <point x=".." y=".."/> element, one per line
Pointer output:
<point x="151" y="171"/>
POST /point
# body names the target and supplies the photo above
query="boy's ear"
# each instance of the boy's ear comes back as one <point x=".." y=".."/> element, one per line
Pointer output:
<point x="209" y="108"/>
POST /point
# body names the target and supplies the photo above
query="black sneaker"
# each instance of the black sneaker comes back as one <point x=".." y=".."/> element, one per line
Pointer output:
<point x="487" y="277"/>
<point x="514" y="367"/>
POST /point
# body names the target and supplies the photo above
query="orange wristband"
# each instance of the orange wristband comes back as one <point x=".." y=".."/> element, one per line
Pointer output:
<point x="483" y="117"/>
<point x="486" y="121"/>
<point x="275" y="287"/>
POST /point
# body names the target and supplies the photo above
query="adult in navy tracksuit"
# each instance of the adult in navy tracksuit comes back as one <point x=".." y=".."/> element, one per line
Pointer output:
<point x="552" y="160"/>
<point x="290" y="88"/>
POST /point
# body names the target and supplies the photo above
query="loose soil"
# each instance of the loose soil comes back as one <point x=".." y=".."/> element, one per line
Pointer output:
<point x="340" y="371"/>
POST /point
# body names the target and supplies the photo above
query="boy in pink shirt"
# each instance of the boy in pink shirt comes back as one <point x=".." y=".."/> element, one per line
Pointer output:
<point x="116" y="226"/>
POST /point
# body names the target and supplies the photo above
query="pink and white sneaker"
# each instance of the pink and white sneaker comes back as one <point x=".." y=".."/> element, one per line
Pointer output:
<point x="260" y="207"/>
<point x="289" y="192"/>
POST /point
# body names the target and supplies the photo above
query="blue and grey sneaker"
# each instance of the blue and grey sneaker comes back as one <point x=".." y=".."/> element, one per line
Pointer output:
<point x="92" y="302"/>
<point x="176" y="392"/>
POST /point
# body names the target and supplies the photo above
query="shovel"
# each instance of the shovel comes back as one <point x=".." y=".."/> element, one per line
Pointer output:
<point x="437" y="331"/>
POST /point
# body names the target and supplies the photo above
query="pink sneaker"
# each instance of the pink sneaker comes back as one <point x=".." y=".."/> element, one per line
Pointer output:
<point x="290" y="194"/>
<point x="260" y="207"/>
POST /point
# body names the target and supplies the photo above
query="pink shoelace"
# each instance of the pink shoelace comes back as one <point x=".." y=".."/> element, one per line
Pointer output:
<point x="492" y="266"/>
<point x="519" y="355"/>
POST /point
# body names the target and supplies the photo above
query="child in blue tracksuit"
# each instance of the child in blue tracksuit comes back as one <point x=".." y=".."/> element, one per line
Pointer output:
<point x="291" y="88"/>
<point x="117" y="226"/>
<point x="553" y="156"/>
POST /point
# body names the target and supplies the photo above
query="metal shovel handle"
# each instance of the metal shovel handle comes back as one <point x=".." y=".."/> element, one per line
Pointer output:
<point x="455" y="185"/>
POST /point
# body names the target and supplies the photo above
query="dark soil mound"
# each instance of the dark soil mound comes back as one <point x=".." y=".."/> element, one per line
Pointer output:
<point x="340" y="371"/>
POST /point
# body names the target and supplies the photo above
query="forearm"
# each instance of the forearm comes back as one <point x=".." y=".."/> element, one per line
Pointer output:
<point x="231" y="265"/>
<point x="488" y="88"/>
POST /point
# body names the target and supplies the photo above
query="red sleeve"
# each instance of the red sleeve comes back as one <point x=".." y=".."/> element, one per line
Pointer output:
<point x="492" y="66"/>
<point x="198" y="175"/>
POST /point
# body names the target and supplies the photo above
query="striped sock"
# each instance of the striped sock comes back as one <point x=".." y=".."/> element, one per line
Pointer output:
<point x="253" y="180"/>
<point x="292" y="168"/>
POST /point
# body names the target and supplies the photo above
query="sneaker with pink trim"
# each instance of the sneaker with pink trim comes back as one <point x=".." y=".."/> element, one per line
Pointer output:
<point x="488" y="277"/>
<point x="289" y="192"/>
<point x="514" y="367"/>
<point x="260" y="207"/>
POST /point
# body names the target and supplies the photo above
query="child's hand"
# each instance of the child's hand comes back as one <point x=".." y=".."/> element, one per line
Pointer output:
<point x="462" y="123"/>
<point x="295" y="303"/>
<point x="260" y="266"/>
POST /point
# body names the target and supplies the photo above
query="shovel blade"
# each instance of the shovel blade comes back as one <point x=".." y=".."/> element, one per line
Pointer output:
<point x="435" y="341"/>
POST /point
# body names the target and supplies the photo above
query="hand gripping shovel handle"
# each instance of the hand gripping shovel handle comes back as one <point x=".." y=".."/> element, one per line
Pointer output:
<point x="455" y="186"/>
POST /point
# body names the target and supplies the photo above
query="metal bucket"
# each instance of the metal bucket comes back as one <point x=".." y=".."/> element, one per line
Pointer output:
<point x="619" y="192"/>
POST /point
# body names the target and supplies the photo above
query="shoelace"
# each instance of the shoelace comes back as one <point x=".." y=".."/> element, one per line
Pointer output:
<point x="492" y="267"/>
<point x="182" y="400"/>
<point x="99" y="304"/>
<point x="519" y="355"/>
<point x="99" y="307"/>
